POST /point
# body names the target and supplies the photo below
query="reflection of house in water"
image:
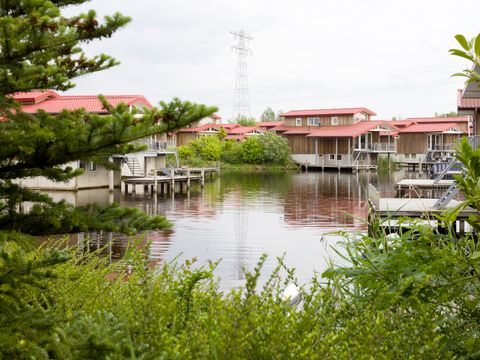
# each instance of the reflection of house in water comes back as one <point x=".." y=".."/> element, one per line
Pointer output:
<point x="326" y="200"/>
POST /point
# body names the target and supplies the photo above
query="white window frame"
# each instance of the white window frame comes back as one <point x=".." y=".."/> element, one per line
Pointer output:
<point x="313" y="121"/>
<point x="298" y="122"/>
<point x="334" y="120"/>
<point x="92" y="167"/>
<point x="331" y="157"/>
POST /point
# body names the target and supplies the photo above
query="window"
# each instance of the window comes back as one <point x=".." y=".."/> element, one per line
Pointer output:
<point x="82" y="164"/>
<point x="313" y="121"/>
<point x="93" y="166"/>
<point x="334" y="120"/>
<point x="332" y="156"/>
<point x="298" y="121"/>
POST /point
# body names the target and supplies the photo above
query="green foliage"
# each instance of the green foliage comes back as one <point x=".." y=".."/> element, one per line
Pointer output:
<point x="268" y="115"/>
<point x="245" y="121"/>
<point x="252" y="151"/>
<point x="39" y="50"/>
<point x="470" y="50"/>
<point x="95" y="310"/>
<point x="275" y="148"/>
<point x="231" y="152"/>
<point x="267" y="148"/>
<point x="448" y="114"/>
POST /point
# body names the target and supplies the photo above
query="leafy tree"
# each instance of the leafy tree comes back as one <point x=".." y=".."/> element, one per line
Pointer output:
<point x="268" y="115"/>
<point x="471" y="51"/>
<point x="252" y="151"/>
<point x="275" y="148"/>
<point x="245" y="121"/>
<point x="448" y="114"/>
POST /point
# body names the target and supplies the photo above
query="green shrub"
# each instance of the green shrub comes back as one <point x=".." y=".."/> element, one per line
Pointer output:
<point x="231" y="152"/>
<point x="251" y="151"/>
<point x="210" y="147"/>
<point x="275" y="149"/>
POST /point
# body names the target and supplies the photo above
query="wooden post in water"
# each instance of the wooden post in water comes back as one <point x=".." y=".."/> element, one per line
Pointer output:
<point x="202" y="180"/>
<point x="172" y="181"/>
<point x="155" y="181"/>
<point x="188" y="179"/>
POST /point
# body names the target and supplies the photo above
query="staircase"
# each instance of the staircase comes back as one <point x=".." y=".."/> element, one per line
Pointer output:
<point x="135" y="168"/>
<point x="452" y="190"/>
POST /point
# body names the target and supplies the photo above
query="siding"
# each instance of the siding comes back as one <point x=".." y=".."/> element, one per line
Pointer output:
<point x="300" y="144"/>
<point x="414" y="143"/>
<point x="324" y="120"/>
<point x="327" y="145"/>
<point x="184" y="138"/>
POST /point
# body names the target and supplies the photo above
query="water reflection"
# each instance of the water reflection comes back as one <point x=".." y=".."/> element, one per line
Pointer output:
<point x="237" y="217"/>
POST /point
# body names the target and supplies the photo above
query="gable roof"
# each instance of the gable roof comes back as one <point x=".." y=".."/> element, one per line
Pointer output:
<point x="35" y="96"/>
<point x="467" y="102"/>
<point x="450" y="119"/>
<point x="430" y="128"/>
<point x="354" y="130"/>
<point x="90" y="103"/>
<point x="326" y="112"/>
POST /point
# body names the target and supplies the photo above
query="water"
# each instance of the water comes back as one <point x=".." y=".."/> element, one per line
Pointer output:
<point x="237" y="217"/>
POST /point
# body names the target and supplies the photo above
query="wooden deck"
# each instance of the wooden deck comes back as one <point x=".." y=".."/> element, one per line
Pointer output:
<point x="177" y="179"/>
<point x="421" y="187"/>
<point x="388" y="211"/>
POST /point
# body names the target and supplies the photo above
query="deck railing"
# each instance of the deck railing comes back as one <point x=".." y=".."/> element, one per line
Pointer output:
<point x="384" y="147"/>
<point x="153" y="145"/>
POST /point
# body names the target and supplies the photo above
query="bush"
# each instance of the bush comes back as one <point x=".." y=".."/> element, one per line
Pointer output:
<point x="210" y="148"/>
<point x="231" y="152"/>
<point x="252" y="151"/>
<point x="275" y="148"/>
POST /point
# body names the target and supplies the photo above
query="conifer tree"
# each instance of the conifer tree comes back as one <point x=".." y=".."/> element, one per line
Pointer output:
<point x="39" y="50"/>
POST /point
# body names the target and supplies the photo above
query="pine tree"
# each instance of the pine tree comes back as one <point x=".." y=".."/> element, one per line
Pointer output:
<point x="40" y="50"/>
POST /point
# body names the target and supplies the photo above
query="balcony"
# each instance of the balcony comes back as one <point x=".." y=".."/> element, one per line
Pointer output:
<point x="154" y="146"/>
<point x="379" y="148"/>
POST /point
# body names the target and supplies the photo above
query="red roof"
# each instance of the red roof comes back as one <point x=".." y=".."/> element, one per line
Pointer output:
<point x="354" y="130"/>
<point x="293" y="130"/>
<point x="207" y="127"/>
<point x="270" y="124"/>
<point x="34" y="96"/>
<point x="467" y="103"/>
<point x="430" y="128"/>
<point x="215" y="116"/>
<point x="51" y="102"/>
<point x="242" y="130"/>
<point x="326" y="112"/>
<point x="450" y="119"/>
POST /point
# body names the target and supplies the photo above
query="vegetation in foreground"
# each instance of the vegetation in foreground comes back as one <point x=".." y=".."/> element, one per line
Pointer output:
<point x="416" y="296"/>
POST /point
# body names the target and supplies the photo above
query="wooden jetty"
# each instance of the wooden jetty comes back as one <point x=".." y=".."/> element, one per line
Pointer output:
<point x="387" y="212"/>
<point x="169" y="180"/>
<point x="429" y="188"/>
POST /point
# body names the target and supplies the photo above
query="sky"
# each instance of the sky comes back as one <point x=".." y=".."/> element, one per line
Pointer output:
<point x="389" y="56"/>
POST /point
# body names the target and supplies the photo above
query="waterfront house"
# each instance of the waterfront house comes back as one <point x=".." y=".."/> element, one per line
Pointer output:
<point x="427" y="140"/>
<point x="95" y="175"/>
<point x="233" y="132"/>
<point x="344" y="138"/>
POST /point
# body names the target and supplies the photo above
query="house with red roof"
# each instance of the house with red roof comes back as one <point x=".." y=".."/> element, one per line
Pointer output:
<point x="344" y="138"/>
<point x="424" y="141"/>
<point x="95" y="175"/>
<point x="234" y="132"/>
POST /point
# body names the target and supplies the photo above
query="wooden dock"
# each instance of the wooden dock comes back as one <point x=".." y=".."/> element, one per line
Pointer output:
<point x="387" y="212"/>
<point x="421" y="187"/>
<point x="169" y="180"/>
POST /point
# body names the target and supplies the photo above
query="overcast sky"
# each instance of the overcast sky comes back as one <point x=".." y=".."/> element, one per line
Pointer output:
<point x="389" y="56"/>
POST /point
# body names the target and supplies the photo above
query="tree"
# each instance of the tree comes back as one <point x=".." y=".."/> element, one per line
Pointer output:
<point x="268" y="115"/>
<point x="448" y="114"/>
<point x="40" y="50"/>
<point x="471" y="51"/>
<point x="245" y="121"/>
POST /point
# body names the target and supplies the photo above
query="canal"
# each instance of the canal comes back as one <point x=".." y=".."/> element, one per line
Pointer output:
<point x="237" y="217"/>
